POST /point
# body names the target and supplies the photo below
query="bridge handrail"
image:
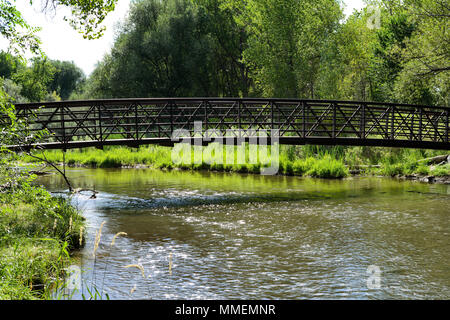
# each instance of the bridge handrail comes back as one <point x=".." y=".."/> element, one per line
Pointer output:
<point x="81" y="103"/>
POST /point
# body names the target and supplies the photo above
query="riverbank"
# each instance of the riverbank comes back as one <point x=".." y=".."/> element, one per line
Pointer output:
<point x="312" y="161"/>
<point x="37" y="234"/>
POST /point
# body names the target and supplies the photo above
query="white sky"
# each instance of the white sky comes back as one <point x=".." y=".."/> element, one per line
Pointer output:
<point x="61" y="42"/>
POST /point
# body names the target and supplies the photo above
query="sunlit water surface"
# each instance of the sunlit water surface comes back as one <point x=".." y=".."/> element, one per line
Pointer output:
<point x="231" y="236"/>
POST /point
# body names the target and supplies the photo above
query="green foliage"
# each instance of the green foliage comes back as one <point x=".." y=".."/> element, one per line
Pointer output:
<point x="345" y="63"/>
<point x="327" y="167"/>
<point x="322" y="166"/>
<point x="172" y="48"/>
<point x="441" y="171"/>
<point x="14" y="131"/>
<point x="228" y="40"/>
<point x="36" y="230"/>
<point x="36" y="79"/>
<point x="317" y="161"/>
<point x="43" y="80"/>
<point x="87" y="15"/>
<point x="40" y="215"/>
<point x="387" y="57"/>
<point x="12" y="90"/>
<point x="279" y="49"/>
<point x="392" y="170"/>
<point x="426" y="59"/>
<point x="285" y="43"/>
<point x="66" y="79"/>
<point x="250" y="48"/>
<point x="10" y="64"/>
<point x="422" y="170"/>
<point x="36" y="233"/>
<point x="14" y="28"/>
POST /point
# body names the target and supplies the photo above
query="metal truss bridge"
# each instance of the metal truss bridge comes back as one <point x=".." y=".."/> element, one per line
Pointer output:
<point x="134" y="122"/>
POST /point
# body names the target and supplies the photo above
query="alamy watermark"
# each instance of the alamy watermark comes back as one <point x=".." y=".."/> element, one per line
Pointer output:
<point x="374" y="279"/>
<point x="374" y="19"/>
<point x="73" y="279"/>
<point x="229" y="147"/>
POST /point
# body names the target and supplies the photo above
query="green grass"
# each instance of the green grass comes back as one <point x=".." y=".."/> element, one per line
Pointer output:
<point x="111" y="157"/>
<point x="37" y="232"/>
<point x="327" y="167"/>
<point x="314" y="161"/>
<point x="441" y="171"/>
<point x="324" y="166"/>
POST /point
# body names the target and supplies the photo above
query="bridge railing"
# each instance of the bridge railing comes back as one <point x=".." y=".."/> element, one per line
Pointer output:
<point x="139" y="121"/>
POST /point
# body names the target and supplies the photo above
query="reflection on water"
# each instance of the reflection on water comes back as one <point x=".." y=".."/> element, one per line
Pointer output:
<point x="234" y="236"/>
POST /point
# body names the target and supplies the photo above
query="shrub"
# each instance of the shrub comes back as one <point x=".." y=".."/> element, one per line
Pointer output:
<point x="422" y="169"/>
<point x="328" y="168"/>
<point x="393" y="169"/>
<point x="287" y="168"/>
<point x="299" y="167"/>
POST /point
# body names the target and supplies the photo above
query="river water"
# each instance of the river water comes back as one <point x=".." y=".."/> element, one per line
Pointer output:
<point x="202" y="235"/>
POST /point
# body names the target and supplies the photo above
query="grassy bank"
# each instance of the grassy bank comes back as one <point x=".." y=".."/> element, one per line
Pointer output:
<point x="325" y="166"/>
<point x="37" y="233"/>
<point x="314" y="161"/>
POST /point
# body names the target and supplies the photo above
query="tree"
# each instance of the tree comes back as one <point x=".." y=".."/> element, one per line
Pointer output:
<point x="425" y="77"/>
<point x="87" y="16"/>
<point x="66" y="79"/>
<point x="10" y="64"/>
<point x="36" y="79"/>
<point x="228" y="42"/>
<point x="285" y="43"/>
<point x="387" y="61"/>
<point x="344" y="71"/>
<point x="12" y="90"/>
<point x="163" y="49"/>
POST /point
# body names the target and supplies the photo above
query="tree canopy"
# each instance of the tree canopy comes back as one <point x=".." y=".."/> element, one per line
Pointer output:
<point x="285" y="48"/>
<point x="44" y="79"/>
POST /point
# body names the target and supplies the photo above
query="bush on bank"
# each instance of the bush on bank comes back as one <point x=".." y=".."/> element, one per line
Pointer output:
<point x="37" y="233"/>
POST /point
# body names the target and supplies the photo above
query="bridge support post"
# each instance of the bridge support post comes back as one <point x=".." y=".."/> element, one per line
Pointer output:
<point x="420" y="124"/>
<point x="136" y="122"/>
<point x="446" y="127"/>
<point x="333" y="134"/>
<point x="272" y="106"/>
<point x="239" y="118"/>
<point x="63" y="128"/>
<point x="304" y="115"/>
<point x="205" y="106"/>
<point x="392" y="123"/>
<point x="363" y="121"/>
<point x="171" y="117"/>
<point x="100" y="131"/>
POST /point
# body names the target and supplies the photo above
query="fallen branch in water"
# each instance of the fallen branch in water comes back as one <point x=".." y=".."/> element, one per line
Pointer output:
<point x="436" y="160"/>
<point x="94" y="192"/>
<point x="44" y="159"/>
